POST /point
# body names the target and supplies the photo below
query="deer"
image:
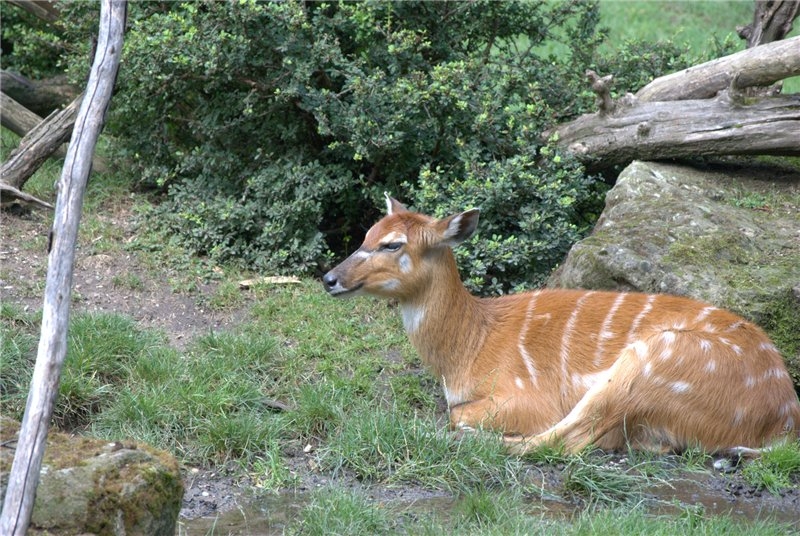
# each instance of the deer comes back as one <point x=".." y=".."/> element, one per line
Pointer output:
<point x="573" y="368"/>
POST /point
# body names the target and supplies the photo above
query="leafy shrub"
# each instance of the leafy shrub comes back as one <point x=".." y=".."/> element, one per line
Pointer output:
<point x="273" y="128"/>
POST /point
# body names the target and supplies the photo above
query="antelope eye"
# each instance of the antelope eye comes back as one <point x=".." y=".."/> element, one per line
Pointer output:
<point x="391" y="246"/>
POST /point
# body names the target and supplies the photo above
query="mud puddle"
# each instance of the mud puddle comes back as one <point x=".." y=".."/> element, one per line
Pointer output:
<point x="701" y="494"/>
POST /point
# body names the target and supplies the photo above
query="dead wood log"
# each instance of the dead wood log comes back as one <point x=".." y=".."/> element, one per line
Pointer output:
<point x="39" y="96"/>
<point x="43" y="9"/>
<point x="759" y="66"/>
<point x="21" y="121"/>
<point x="15" y="117"/>
<point x="23" y="477"/>
<point x="10" y="195"/>
<point x="726" y="124"/>
<point x="38" y="145"/>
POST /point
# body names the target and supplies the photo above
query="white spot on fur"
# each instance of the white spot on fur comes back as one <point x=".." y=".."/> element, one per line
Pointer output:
<point x="361" y="254"/>
<point x="587" y="381"/>
<point x="774" y="373"/>
<point x="405" y="263"/>
<point x="679" y="387"/>
<point x="390" y="284"/>
<point x="705" y="345"/>
<point x="519" y="382"/>
<point x="704" y="313"/>
<point x="711" y="366"/>
<point x="738" y="416"/>
<point x="709" y="328"/>
<point x="641" y="349"/>
<point x="648" y="367"/>
<point x="668" y="337"/>
<point x="768" y="347"/>
<point x="737" y="349"/>
<point x="749" y="382"/>
<point x="412" y="317"/>
<point x="736" y="325"/>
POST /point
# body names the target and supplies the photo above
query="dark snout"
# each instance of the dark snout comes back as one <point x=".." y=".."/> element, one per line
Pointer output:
<point x="330" y="281"/>
<point x="338" y="282"/>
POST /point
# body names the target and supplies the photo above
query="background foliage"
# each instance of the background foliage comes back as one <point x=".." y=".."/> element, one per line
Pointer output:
<point x="272" y="129"/>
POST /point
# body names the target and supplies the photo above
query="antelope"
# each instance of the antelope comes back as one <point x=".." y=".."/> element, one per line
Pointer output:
<point x="571" y="368"/>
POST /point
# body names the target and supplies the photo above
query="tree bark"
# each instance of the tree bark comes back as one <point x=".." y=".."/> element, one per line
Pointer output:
<point x="24" y="475"/>
<point x="659" y="130"/>
<point x="39" y="96"/>
<point x="21" y="121"/>
<point x="38" y="145"/>
<point x="703" y="110"/>
<point x="10" y="195"/>
<point x="42" y="9"/>
<point x="759" y="66"/>
<point x="772" y="21"/>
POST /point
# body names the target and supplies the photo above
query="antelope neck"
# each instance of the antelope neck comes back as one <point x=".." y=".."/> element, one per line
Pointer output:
<point x="447" y="326"/>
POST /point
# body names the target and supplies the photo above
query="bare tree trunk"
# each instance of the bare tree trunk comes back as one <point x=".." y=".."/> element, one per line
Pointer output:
<point x="24" y="475"/>
<point x="772" y="21"/>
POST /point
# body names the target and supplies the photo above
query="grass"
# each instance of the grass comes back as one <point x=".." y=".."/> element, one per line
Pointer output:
<point x="697" y="24"/>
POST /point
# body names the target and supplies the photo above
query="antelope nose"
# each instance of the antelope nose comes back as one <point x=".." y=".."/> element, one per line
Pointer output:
<point x="329" y="280"/>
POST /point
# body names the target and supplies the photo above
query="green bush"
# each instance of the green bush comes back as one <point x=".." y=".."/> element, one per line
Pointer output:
<point x="273" y="128"/>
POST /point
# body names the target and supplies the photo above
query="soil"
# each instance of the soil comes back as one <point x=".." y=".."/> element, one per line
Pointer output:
<point x="211" y="492"/>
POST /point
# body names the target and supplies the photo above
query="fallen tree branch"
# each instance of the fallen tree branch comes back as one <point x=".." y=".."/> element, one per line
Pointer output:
<point x="19" y="120"/>
<point x="39" y="144"/>
<point x="39" y="96"/>
<point x="758" y="66"/>
<point x="662" y="130"/>
<point x="10" y="195"/>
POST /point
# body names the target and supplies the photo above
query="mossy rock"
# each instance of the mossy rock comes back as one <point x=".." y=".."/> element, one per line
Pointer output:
<point x="91" y="486"/>
<point x="728" y="234"/>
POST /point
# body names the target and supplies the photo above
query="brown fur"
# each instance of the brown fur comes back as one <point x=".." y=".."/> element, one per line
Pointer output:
<point x="655" y="372"/>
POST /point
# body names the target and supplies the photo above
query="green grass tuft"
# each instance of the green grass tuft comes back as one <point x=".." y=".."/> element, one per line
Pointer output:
<point x="775" y="469"/>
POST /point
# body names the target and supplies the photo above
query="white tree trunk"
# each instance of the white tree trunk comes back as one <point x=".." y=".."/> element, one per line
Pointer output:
<point x="24" y="474"/>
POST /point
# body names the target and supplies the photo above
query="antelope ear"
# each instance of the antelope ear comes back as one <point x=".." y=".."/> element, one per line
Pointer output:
<point x="393" y="206"/>
<point x="458" y="228"/>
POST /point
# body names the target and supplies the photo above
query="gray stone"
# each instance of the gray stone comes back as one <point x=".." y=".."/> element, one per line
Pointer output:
<point x="726" y="235"/>
<point x="90" y="486"/>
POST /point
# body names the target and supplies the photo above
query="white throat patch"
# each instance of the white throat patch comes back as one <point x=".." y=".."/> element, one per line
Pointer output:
<point x="412" y="317"/>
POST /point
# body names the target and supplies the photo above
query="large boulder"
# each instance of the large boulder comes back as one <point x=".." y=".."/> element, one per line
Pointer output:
<point x="89" y="486"/>
<point x="728" y="235"/>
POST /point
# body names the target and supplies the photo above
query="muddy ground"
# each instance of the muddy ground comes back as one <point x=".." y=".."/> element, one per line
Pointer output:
<point x="211" y="492"/>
